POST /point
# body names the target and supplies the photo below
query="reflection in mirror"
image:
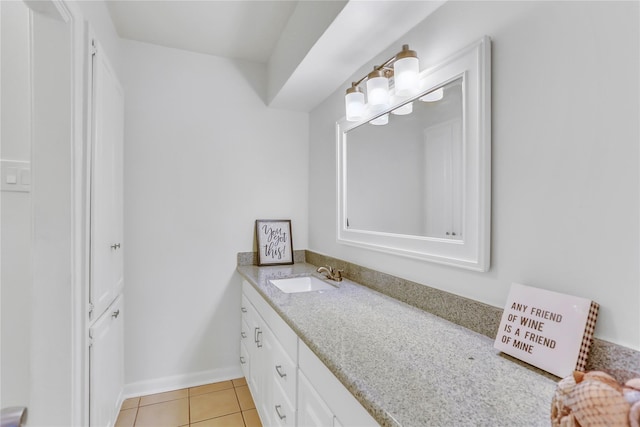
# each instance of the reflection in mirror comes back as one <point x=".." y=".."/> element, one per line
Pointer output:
<point x="420" y="185"/>
<point x="405" y="177"/>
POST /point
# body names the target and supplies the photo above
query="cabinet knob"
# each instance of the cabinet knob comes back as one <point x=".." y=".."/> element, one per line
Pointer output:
<point x="243" y="309"/>
<point x="243" y="334"/>
<point x="115" y="314"/>
<point x="242" y="361"/>
<point x="115" y="246"/>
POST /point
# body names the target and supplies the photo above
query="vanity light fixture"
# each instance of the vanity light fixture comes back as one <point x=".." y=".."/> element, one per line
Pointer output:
<point x="378" y="90"/>
<point x="354" y="103"/>
<point x="434" y="96"/>
<point x="403" y="110"/>
<point x="382" y="120"/>
<point x="404" y="67"/>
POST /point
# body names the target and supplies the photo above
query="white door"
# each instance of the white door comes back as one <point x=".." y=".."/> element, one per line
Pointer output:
<point x="106" y="185"/>
<point x="106" y="370"/>
<point x="443" y="191"/>
<point x="106" y="332"/>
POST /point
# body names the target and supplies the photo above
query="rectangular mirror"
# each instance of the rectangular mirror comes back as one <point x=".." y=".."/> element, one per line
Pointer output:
<point x="419" y="186"/>
<point x="415" y="163"/>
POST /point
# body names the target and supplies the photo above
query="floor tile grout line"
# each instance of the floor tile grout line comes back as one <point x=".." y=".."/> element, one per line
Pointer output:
<point x="188" y="397"/>
<point x="235" y="392"/>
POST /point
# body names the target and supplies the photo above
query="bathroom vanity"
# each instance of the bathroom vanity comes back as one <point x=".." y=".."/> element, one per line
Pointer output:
<point x="349" y="355"/>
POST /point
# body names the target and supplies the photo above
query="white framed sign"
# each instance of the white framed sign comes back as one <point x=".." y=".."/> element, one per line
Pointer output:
<point x="275" y="245"/>
<point x="547" y="329"/>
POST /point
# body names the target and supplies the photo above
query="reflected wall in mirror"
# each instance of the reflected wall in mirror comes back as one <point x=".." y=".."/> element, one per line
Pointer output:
<point x="405" y="177"/>
<point x="419" y="186"/>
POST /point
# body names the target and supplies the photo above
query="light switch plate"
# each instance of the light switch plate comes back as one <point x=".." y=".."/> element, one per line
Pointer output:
<point x="15" y="175"/>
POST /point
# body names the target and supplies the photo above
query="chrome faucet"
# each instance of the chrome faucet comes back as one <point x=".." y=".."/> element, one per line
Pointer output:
<point x="331" y="273"/>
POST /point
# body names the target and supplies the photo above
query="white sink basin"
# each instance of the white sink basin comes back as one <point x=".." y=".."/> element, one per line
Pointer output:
<point x="301" y="284"/>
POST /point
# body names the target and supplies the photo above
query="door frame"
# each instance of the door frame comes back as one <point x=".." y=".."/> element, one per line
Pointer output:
<point x="69" y="14"/>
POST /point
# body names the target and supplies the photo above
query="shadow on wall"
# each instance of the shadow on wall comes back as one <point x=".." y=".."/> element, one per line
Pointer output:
<point x="214" y="345"/>
<point x="255" y="75"/>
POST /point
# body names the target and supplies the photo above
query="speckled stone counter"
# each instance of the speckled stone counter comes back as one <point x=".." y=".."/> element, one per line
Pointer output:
<point x="407" y="367"/>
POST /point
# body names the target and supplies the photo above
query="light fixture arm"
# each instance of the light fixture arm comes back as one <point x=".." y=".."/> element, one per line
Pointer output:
<point x="386" y="65"/>
<point x="403" y="65"/>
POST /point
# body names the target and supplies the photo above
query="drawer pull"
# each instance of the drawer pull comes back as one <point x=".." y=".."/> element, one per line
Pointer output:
<point x="242" y="361"/>
<point x="282" y="374"/>
<point x="282" y="417"/>
<point x="243" y="309"/>
<point x="256" y="336"/>
<point x="243" y="334"/>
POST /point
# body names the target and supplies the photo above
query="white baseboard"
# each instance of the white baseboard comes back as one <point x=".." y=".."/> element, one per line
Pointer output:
<point x="176" y="382"/>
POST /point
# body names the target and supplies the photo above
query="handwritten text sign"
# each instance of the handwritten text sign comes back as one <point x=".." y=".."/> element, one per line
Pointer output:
<point x="274" y="242"/>
<point x="546" y="329"/>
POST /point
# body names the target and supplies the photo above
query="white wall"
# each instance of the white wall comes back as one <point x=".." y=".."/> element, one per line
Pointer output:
<point x="565" y="206"/>
<point x="16" y="207"/>
<point x="204" y="158"/>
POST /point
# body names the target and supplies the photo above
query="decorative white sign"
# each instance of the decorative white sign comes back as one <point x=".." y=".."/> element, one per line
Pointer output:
<point x="547" y="329"/>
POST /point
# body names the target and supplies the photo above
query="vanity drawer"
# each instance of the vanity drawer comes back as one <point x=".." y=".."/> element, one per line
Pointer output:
<point x="244" y="359"/>
<point x="245" y="307"/>
<point x="284" y="413"/>
<point x="244" y="331"/>
<point x="284" y="372"/>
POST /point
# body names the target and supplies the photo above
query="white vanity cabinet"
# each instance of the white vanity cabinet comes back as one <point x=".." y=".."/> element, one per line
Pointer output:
<point x="289" y="384"/>
<point x="107" y="353"/>
<point x="268" y="355"/>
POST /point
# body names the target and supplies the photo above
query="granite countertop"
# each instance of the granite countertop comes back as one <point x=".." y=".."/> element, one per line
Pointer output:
<point x="407" y="367"/>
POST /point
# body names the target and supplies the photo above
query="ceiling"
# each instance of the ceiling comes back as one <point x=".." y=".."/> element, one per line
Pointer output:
<point x="233" y="29"/>
<point x="306" y="46"/>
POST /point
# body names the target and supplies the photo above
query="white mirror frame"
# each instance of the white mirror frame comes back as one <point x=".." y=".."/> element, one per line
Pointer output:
<point x="472" y="252"/>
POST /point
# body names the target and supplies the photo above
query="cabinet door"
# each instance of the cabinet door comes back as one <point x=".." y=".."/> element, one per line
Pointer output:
<point x="265" y="377"/>
<point x="312" y="410"/>
<point x="258" y="345"/>
<point x="283" y="411"/>
<point x="107" y="101"/>
<point x="106" y="365"/>
<point x="284" y="372"/>
<point x="254" y="333"/>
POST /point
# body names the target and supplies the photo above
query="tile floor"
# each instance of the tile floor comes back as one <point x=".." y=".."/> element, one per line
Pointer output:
<point x="223" y="404"/>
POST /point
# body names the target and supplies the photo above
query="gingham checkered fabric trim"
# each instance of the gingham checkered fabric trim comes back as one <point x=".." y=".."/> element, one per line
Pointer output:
<point x="587" y="338"/>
